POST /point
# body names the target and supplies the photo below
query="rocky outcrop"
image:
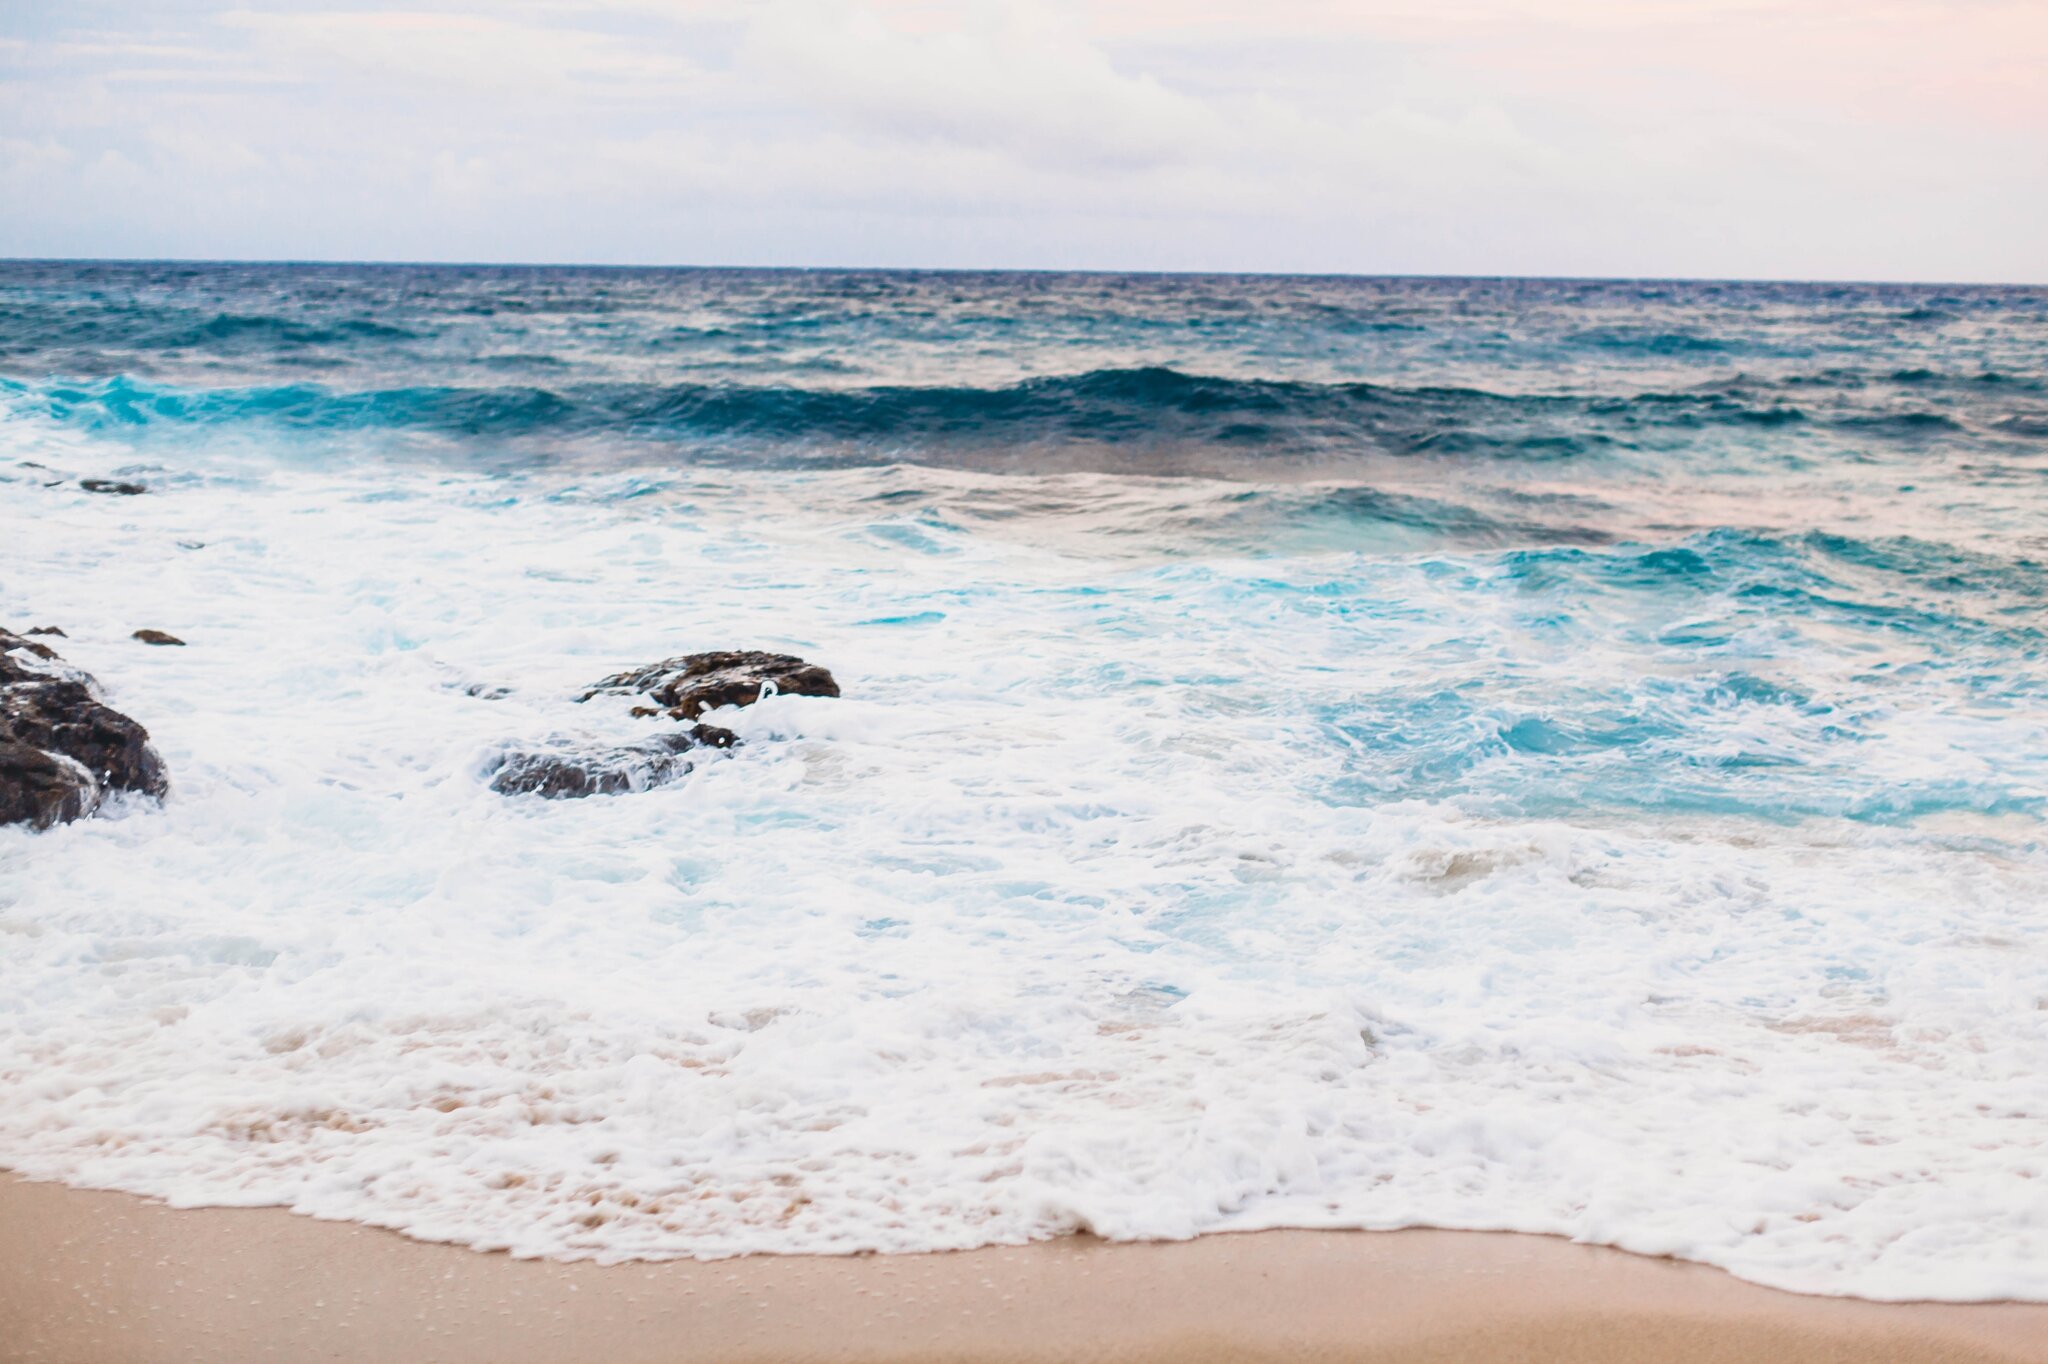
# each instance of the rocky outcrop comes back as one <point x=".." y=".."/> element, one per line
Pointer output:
<point x="686" y="687"/>
<point x="157" y="637"/>
<point x="680" y="688"/>
<point x="566" y="772"/>
<point x="62" y="749"/>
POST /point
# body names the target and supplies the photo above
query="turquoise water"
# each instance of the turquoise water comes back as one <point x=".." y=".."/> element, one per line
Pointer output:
<point x="1567" y="756"/>
<point x="1732" y="484"/>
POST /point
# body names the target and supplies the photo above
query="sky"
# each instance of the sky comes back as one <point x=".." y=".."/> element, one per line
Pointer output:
<point x="1810" y="139"/>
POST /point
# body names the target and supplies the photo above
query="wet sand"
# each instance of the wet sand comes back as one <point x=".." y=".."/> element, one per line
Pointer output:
<point x="101" y="1278"/>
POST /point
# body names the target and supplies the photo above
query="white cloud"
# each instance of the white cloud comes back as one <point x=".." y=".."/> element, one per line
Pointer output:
<point x="1018" y="80"/>
<point x="473" y="51"/>
<point x="1557" y="136"/>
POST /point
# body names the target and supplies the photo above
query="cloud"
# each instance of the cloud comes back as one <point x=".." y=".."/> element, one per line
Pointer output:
<point x="468" y="50"/>
<point x="1018" y="80"/>
<point x="1035" y="91"/>
<point x="1812" y="137"/>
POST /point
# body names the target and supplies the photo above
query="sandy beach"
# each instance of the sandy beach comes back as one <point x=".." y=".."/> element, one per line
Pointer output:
<point x="1029" y="682"/>
<point x="105" y="1278"/>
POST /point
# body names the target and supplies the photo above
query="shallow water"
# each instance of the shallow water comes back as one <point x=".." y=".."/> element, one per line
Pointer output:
<point x="1541" y="755"/>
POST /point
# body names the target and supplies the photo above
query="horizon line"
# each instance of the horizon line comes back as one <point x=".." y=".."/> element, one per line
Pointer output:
<point x="1107" y="271"/>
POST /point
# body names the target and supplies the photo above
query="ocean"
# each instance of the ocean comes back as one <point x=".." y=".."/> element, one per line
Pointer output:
<point x="1555" y="756"/>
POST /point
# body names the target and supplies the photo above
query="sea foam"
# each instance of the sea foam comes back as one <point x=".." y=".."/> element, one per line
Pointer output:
<point x="1558" y="756"/>
<point x="1097" y="903"/>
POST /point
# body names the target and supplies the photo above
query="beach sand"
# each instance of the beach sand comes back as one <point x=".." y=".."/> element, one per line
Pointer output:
<point x="104" y="1278"/>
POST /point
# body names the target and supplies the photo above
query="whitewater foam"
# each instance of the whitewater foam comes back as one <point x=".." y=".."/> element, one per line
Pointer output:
<point x="1120" y="893"/>
<point x="1574" y="761"/>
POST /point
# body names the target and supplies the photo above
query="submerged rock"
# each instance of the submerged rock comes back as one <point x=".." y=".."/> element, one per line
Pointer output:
<point x="684" y="689"/>
<point x="157" y="637"/>
<point x="62" y="748"/>
<point x="109" y="485"/>
<point x="566" y="773"/>
<point x="688" y="686"/>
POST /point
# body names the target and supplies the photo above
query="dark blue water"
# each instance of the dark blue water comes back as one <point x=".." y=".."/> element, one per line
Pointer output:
<point x="1564" y="756"/>
<point x="1669" y="468"/>
<point x="1231" y="375"/>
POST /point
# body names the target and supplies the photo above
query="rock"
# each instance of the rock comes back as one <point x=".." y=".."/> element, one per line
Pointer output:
<point x="157" y="637"/>
<point x="686" y="687"/>
<point x="40" y="789"/>
<point x="564" y="774"/>
<point x="14" y="667"/>
<point x="48" y="630"/>
<point x="108" y="485"/>
<point x="61" y="747"/>
<point x="63" y="716"/>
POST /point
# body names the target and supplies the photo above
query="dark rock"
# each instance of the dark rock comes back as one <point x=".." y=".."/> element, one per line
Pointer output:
<point x="14" y="668"/>
<point x="157" y="637"/>
<point x="565" y="774"/>
<point x="686" y="687"/>
<point x="61" y="747"/>
<point x="108" y="485"/>
<point x="40" y="789"/>
<point x="48" y="630"/>
<point x="64" y="717"/>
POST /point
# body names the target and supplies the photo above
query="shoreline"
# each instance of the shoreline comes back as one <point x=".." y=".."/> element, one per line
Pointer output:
<point x="91" y="1277"/>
